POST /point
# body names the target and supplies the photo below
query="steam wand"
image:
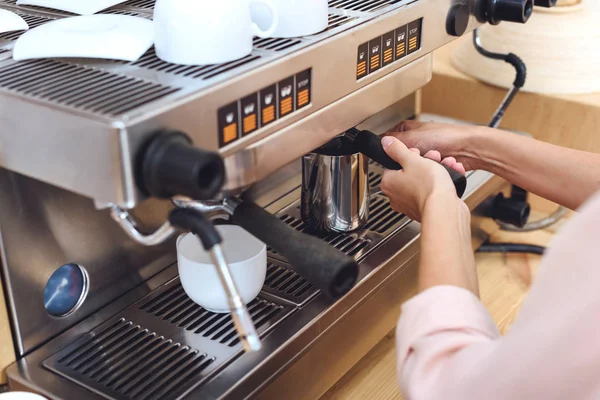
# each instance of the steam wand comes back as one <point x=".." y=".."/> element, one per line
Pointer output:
<point x="194" y="221"/>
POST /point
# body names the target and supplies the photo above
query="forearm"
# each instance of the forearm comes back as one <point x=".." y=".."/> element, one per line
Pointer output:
<point x="446" y="252"/>
<point x="566" y="176"/>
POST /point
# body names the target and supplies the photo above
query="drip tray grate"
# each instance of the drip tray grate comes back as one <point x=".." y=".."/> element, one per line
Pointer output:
<point x="160" y="347"/>
<point x="283" y="282"/>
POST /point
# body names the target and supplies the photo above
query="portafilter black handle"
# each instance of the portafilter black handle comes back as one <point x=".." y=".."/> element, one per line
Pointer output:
<point x="170" y="165"/>
<point x="327" y="268"/>
<point x="369" y="144"/>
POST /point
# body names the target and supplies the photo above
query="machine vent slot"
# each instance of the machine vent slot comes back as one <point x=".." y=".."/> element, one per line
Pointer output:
<point x="285" y="283"/>
<point x="275" y="44"/>
<point x="32" y="20"/>
<point x="2" y="51"/>
<point x="382" y="218"/>
<point x="338" y="20"/>
<point x="118" y="11"/>
<point x="127" y="361"/>
<point x="146" y="4"/>
<point x="80" y="87"/>
<point x="175" y="307"/>
<point x="151" y="61"/>
<point x="361" y="5"/>
<point x="374" y="179"/>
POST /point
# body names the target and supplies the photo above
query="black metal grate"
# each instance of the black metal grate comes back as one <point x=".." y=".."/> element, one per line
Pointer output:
<point x="175" y="307"/>
<point x="381" y="217"/>
<point x="32" y="20"/>
<point x="338" y="20"/>
<point x="146" y="4"/>
<point x="374" y="179"/>
<point x="81" y="87"/>
<point x="151" y="61"/>
<point x="285" y="283"/>
<point x="275" y="44"/>
<point x="361" y="5"/>
<point x="130" y="362"/>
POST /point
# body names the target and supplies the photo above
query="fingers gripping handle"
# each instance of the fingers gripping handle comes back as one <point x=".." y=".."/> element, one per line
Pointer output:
<point x="330" y="270"/>
<point x="369" y="144"/>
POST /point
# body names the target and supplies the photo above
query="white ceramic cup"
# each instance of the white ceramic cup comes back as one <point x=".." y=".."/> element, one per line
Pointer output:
<point x="247" y="258"/>
<point x="296" y="17"/>
<point x="201" y="32"/>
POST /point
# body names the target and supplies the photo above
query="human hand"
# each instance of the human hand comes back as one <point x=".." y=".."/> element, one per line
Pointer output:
<point x="449" y="140"/>
<point x="410" y="188"/>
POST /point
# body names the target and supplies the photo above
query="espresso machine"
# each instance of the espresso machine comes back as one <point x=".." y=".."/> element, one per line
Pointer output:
<point x="95" y="155"/>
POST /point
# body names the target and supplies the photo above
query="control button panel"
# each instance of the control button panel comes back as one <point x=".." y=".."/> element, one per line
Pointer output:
<point x="375" y="54"/>
<point x="414" y="36"/>
<point x="259" y="109"/>
<point x="388" y="48"/>
<point x="229" y="123"/>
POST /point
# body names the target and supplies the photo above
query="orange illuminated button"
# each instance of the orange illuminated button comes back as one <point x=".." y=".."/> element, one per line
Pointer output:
<point x="303" y="98"/>
<point x="361" y="61"/>
<point x="268" y="115"/>
<point x="375" y="52"/>
<point x="388" y="48"/>
<point x="287" y="92"/>
<point x="414" y="36"/>
<point x="401" y="38"/>
<point x="303" y="88"/>
<point x="228" y="123"/>
<point x="268" y="105"/>
<point x="286" y="106"/>
<point x="249" y="109"/>
<point x="229" y="133"/>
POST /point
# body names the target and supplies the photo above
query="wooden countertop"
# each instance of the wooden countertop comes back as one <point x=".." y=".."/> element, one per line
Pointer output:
<point x="504" y="281"/>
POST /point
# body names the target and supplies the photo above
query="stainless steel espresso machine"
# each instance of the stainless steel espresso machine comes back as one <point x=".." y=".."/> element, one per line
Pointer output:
<point x="95" y="155"/>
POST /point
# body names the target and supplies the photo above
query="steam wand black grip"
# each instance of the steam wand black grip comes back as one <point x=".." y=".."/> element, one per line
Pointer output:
<point x="327" y="268"/>
<point x="369" y="144"/>
<point x="194" y="221"/>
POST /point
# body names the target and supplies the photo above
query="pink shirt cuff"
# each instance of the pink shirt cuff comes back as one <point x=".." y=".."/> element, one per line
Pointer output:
<point x="442" y="309"/>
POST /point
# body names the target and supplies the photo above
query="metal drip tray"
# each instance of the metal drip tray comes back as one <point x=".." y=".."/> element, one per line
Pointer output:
<point x="165" y="344"/>
<point x="159" y="347"/>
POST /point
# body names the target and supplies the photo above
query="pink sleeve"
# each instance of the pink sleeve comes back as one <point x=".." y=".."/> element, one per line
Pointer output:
<point x="449" y="348"/>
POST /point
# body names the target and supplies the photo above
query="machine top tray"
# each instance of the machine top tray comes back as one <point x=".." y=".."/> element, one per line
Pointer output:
<point x="119" y="90"/>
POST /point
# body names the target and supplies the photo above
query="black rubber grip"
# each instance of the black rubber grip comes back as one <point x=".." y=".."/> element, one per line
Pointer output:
<point x="327" y="268"/>
<point x="194" y="221"/>
<point x="369" y="144"/>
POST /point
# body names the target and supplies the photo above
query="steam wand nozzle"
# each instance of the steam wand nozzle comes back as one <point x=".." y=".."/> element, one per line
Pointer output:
<point x="194" y="221"/>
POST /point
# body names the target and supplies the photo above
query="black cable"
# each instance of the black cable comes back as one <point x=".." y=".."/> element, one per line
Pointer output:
<point x="511" y="248"/>
<point x="520" y="77"/>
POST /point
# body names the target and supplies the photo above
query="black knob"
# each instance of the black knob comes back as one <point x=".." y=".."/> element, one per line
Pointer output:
<point x="170" y="165"/>
<point x="458" y="20"/>
<point x="510" y="211"/>
<point x="545" y="3"/>
<point x="496" y="11"/>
